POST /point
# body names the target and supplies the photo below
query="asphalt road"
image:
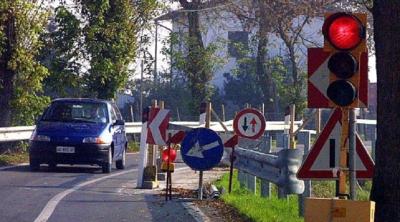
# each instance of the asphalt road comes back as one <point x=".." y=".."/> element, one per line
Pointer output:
<point x="82" y="193"/>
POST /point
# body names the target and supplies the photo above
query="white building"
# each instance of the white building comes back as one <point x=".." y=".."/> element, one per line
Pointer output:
<point x="220" y="25"/>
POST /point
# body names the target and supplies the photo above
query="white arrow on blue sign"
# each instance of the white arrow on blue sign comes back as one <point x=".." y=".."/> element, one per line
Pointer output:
<point x="202" y="149"/>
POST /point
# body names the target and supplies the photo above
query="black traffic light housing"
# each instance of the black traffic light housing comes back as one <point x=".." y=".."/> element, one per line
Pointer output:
<point x="345" y="40"/>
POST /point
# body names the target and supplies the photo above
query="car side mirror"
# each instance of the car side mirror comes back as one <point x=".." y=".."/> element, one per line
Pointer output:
<point x="119" y="122"/>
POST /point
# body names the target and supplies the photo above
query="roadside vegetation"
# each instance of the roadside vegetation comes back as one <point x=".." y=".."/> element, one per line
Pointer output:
<point x="257" y="208"/>
<point x="133" y="147"/>
<point x="272" y="209"/>
<point x="15" y="156"/>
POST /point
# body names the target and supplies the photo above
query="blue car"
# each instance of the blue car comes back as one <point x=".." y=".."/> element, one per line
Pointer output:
<point x="79" y="131"/>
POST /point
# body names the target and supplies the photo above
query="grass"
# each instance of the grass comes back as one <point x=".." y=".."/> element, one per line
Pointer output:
<point x="14" y="153"/>
<point x="272" y="209"/>
<point x="257" y="208"/>
<point x="326" y="189"/>
<point x="133" y="147"/>
<point x="14" y="158"/>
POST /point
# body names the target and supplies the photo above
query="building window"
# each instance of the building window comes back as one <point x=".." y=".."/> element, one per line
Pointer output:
<point x="238" y="43"/>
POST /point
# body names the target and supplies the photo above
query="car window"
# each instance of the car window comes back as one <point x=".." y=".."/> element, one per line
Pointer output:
<point x="117" y="112"/>
<point x="113" y="115"/>
<point x="76" y="112"/>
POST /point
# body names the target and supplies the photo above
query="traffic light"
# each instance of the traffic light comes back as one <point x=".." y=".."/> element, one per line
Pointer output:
<point x="345" y="40"/>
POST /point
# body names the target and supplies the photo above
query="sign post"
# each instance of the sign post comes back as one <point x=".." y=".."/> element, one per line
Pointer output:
<point x="201" y="150"/>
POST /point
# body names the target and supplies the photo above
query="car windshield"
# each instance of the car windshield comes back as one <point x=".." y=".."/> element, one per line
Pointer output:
<point x="77" y="112"/>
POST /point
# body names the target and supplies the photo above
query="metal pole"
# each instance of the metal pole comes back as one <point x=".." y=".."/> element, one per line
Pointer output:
<point x="223" y="112"/>
<point x="343" y="154"/>
<point x="131" y="109"/>
<point x="141" y="87"/>
<point x="291" y="131"/>
<point x="231" y="169"/>
<point x="207" y="125"/>
<point x="352" y="153"/>
<point x="155" y="53"/>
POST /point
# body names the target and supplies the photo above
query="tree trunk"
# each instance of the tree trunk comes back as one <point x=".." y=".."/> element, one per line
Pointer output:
<point x="263" y="75"/>
<point x="7" y="76"/>
<point x="386" y="181"/>
<point x="197" y="74"/>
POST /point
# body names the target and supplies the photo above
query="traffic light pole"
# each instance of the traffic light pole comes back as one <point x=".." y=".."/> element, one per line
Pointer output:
<point x="347" y="161"/>
<point x="352" y="153"/>
<point x="343" y="154"/>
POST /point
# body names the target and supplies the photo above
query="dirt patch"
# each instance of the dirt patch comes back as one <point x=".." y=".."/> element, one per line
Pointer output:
<point x="215" y="209"/>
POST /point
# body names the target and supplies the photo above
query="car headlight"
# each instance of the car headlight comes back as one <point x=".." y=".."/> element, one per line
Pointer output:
<point x="43" y="138"/>
<point x="96" y="140"/>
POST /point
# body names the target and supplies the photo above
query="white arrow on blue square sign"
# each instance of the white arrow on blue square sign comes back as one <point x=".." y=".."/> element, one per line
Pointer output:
<point x="202" y="149"/>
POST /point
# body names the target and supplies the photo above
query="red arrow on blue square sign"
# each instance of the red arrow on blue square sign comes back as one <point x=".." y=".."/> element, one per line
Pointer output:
<point x="157" y="126"/>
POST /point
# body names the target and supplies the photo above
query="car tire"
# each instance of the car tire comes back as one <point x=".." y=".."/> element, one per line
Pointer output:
<point x="120" y="164"/>
<point x="52" y="166"/>
<point x="106" y="168"/>
<point x="34" y="165"/>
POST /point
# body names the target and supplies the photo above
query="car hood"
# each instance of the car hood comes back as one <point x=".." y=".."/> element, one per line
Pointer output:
<point x="70" y="129"/>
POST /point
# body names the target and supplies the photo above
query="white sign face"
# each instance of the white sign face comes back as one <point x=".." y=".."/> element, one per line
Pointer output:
<point x="249" y="123"/>
<point x="323" y="160"/>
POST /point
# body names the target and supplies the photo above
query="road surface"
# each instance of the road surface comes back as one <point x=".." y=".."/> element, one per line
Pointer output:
<point x="82" y="193"/>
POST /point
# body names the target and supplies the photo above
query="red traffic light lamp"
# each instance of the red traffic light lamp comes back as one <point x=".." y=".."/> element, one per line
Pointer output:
<point x="343" y="31"/>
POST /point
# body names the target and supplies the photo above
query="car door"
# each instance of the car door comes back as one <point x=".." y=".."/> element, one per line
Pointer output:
<point x="119" y="132"/>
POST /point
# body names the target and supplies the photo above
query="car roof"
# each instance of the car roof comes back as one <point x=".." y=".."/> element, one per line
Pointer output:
<point x="90" y="100"/>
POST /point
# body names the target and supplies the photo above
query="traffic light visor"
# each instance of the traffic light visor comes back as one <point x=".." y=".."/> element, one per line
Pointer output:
<point x="343" y="31"/>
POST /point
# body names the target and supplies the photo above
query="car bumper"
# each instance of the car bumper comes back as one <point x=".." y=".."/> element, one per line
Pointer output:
<point x="46" y="152"/>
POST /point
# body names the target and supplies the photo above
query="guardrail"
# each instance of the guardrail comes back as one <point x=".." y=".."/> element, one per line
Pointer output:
<point x="280" y="168"/>
<point x="20" y="133"/>
<point x="258" y="159"/>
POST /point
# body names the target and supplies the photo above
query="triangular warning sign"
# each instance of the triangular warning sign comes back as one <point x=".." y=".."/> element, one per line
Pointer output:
<point x="323" y="160"/>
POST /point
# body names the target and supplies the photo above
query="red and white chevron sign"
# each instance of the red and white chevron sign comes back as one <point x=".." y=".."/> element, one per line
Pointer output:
<point x="318" y="79"/>
<point x="157" y="126"/>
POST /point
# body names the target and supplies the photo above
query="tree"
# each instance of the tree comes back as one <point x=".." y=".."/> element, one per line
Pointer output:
<point x="21" y="75"/>
<point x="63" y="55"/>
<point x="110" y="40"/>
<point x="386" y="183"/>
<point x="197" y="68"/>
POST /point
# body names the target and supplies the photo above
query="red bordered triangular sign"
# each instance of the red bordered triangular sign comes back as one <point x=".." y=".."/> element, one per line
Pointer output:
<point x="323" y="160"/>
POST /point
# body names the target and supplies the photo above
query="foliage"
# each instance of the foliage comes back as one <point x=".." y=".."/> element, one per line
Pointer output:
<point x="248" y="204"/>
<point x="63" y="55"/>
<point x="110" y="39"/>
<point x="19" y="49"/>
<point x="197" y="83"/>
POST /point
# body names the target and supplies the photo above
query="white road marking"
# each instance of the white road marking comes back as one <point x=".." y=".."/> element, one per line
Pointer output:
<point x="53" y="202"/>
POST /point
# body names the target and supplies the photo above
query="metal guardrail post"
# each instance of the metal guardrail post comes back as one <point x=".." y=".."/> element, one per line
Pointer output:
<point x="305" y="139"/>
<point x="241" y="178"/>
<point x="265" y="184"/>
<point x="251" y="183"/>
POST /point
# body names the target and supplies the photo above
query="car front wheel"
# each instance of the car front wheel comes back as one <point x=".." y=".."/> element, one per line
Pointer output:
<point x="106" y="168"/>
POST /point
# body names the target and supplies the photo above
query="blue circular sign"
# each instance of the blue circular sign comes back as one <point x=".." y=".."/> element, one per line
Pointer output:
<point x="202" y="149"/>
